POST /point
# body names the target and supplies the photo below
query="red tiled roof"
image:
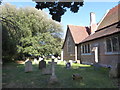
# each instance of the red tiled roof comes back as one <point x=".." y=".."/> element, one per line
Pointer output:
<point x="108" y="31"/>
<point x="78" y="33"/>
<point x="111" y="17"/>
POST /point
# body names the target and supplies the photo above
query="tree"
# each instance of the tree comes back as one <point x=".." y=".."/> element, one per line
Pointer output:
<point x="0" y="2"/>
<point x="28" y="31"/>
<point x="57" y="8"/>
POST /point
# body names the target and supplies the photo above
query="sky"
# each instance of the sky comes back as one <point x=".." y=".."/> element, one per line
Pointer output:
<point x="82" y="18"/>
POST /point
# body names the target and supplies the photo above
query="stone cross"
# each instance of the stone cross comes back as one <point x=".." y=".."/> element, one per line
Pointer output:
<point x="53" y="78"/>
<point x="53" y="67"/>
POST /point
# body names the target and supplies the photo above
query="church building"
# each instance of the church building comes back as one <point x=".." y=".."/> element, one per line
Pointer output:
<point x="97" y="43"/>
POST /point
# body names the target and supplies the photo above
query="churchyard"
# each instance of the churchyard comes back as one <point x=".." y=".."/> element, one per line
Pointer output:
<point x="14" y="76"/>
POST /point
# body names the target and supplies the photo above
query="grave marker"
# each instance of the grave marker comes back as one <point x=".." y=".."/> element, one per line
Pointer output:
<point x="35" y="61"/>
<point x="28" y="66"/>
<point x="115" y="70"/>
<point x="68" y="65"/>
<point x="42" y="64"/>
<point x="53" y="78"/>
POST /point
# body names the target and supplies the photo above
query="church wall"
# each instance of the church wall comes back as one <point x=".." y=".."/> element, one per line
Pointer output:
<point x="105" y="59"/>
<point x="66" y="54"/>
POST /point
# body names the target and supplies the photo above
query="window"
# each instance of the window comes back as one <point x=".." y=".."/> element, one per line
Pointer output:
<point x="85" y="48"/>
<point x="88" y="48"/>
<point x="113" y="44"/>
<point x="82" y="49"/>
<point x="108" y="42"/>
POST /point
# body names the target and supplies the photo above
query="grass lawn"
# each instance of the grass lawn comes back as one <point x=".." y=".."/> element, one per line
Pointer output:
<point x="13" y="76"/>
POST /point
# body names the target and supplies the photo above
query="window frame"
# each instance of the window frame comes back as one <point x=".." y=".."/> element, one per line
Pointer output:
<point x="111" y="42"/>
<point x="84" y="49"/>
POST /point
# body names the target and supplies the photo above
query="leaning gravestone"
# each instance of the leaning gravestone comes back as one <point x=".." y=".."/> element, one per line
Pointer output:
<point x="42" y="64"/>
<point x="115" y="70"/>
<point x="28" y="66"/>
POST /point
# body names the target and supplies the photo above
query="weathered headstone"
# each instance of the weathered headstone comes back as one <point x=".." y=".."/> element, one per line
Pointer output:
<point x="53" y="78"/>
<point x="42" y="64"/>
<point x="56" y="60"/>
<point x="115" y="70"/>
<point x="68" y="65"/>
<point x="71" y="61"/>
<point x="35" y="61"/>
<point x="28" y="66"/>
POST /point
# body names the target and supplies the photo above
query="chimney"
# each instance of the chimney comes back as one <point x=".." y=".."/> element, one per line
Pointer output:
<point x="93" y="25"/>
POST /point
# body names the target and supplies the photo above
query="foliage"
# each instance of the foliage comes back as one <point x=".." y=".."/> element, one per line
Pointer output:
<point x="28" y="31"/>
<point x="57" y="8"/>
<point x="0" y="2"/>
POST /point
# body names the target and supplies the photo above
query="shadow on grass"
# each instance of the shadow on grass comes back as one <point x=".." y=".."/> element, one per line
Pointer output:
<point x="15" y="77"/>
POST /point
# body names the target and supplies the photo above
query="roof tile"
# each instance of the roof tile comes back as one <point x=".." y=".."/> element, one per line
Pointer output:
<point x="78" y="33"/>
<point x="111" y="17"/>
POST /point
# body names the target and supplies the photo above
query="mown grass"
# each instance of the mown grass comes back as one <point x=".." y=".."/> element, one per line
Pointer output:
<point x="13" y="76"/>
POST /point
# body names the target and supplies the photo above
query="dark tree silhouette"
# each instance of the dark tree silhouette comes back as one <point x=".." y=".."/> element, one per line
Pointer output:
<point x="57" y="9"/>
<point x="0" y="2"/>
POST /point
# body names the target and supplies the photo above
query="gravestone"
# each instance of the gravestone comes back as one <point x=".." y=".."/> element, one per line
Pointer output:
<point x="42" y="64"/>
<point x="35" y="61"/>
<point x="28" y="66"/>
<point x="115" y="70"/>
<point x="77" y="76"/>
<point x="59" y="60"/>
<point x="71" y="61"/>
<point x="56" y="60"/>
<point x="53" y="78"/>
<point x="68" y="65"/>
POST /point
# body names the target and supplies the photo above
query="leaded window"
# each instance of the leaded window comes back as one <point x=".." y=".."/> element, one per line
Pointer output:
<point x="85" y="48"/>
<point x="113" y="44"/>
<point x="109" y="46"/>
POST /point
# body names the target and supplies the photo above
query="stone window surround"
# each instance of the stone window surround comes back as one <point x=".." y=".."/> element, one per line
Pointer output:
<point x="88" y="51"/>
<point x="112" y="52"/>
